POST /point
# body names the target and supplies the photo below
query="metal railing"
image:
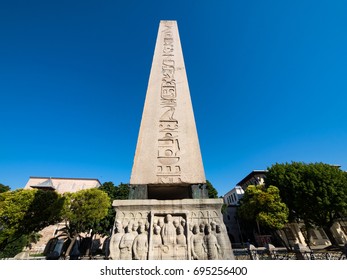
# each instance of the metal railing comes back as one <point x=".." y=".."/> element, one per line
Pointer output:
<point x="253" y="253"/>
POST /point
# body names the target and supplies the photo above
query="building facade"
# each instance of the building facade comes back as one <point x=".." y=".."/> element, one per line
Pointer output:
<point x="60" y="185"/>
<point x="231" y="200"/>
<point x="292" y="233"/>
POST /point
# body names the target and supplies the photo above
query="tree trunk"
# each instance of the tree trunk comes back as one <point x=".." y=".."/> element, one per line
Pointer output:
<point x="330" y="235"/>
<point x="278" y="236"/>
<point x="258" y="227"/>
<point x="89" y="250"/>
<point x="308" y="236"/>
<point x="71" y="245"/>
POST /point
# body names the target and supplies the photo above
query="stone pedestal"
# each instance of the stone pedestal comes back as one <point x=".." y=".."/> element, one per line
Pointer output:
<point x="170" y="230"/>
<point x="168" y="216"/>
<point x="197" y="191"/>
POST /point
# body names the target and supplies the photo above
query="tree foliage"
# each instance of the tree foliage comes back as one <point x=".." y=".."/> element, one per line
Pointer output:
<point x="14" y="247"/>
<point x="264" y="206"/>
<point x="82" y="212"/>
<point x="212" y="192"/>
<point x="315" y="193"/>
<point x="83" y="209"/>
<point x="114" y="192"/>
<point x="23" y="212"/>
<point x="4" y="188"/>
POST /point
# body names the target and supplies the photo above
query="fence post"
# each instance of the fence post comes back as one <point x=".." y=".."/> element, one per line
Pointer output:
<point x="271" y="251"/>
<point x="300" y="251"/>
<point x="252" y="251"/>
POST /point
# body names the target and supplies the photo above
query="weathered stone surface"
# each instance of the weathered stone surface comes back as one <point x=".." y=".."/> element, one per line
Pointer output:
<point x="180" y="223"/>
<point x="168" y="149"/>
<point x="182" y="229"/>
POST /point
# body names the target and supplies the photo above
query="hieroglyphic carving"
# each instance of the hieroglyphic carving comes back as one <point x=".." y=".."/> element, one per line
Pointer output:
<point x="168" y="169"/>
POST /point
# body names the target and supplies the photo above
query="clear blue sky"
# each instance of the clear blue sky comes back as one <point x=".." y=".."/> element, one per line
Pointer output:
<point x="267" y="80"/>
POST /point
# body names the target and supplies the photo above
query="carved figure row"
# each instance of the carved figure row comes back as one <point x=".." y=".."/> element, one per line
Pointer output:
<point x="167" y="240"/>
<point x="207" y="242"/>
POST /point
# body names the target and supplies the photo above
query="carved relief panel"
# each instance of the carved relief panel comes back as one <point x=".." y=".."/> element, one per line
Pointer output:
<point x="162" y="235"/>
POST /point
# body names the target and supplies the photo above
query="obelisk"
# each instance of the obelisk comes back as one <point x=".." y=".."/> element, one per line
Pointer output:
<point x="168" y="215"/>
<point x="168" y="151"/>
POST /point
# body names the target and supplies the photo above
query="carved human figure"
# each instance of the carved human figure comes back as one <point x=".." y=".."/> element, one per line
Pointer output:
<point x="126" y="243"/>
<point x="160" y="222"/>
<point x="115" y="240"/>
<point x="213" y="226"/>
<point x="176" y="223"/>
<point x="134" y="230"/>
<point x="168" y="232"/>
<point x="183" y="224"/>
<point x="157" y="243"/>
<point x="180" y="237"/>
<point x="221" y="242"/>
<point x="211" y="244"/>
<point x="156" y="236"/>
<point x="181" y="244"/>
<point x="202" y="229"/>
<point x="196" y="244"/>
<point x="140" y="244"/>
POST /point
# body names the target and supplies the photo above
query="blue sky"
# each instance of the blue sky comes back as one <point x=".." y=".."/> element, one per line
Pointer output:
<point x="267" y="81"/>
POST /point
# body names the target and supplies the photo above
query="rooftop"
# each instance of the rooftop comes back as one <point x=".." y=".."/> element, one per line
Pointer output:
<point x="60" y="184"/>
<point x="251" y="175"/>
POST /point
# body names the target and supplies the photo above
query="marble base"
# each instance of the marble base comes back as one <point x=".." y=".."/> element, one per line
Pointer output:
<point x="182" y="229"/>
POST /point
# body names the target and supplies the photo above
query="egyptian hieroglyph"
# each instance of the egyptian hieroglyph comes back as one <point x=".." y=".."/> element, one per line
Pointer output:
<point x="168" y="149"/>
<point x="169" y="216"/>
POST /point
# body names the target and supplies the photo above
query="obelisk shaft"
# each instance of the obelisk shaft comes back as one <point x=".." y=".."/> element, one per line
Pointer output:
<point x="168" y="151"/>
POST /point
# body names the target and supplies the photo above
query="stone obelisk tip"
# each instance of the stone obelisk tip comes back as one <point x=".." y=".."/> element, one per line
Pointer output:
<point x="168" y="151"/>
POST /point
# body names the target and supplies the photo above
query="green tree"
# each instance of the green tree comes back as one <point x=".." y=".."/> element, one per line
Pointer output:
<point x="114" y="192"/>
<point x="82" y="211"/>
<point x="212" y="192"/>
<point x="4" y="188"/>
<point x="315" y="193"/>
<point x="14" y="247"/>
<point x="264" y="206"/>
<point x="24" y="212"/>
